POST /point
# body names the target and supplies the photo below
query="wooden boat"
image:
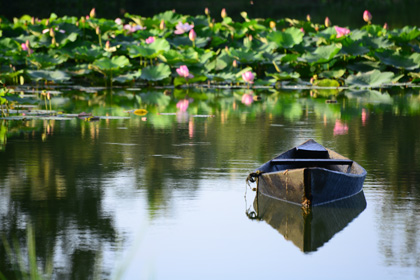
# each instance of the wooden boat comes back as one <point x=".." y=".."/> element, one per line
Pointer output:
<point x="308" y="228"/>
<point x="309" y="174"/>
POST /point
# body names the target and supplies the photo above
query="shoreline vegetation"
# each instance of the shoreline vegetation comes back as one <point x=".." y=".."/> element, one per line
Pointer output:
<point x="176" y="50"/>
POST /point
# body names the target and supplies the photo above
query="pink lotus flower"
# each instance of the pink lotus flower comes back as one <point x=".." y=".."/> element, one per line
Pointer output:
<point x="385" y="26"/>
<point x="340" y="128"/>
<point x="247" y="99"/>
<point x="184" y="72"/>
<point x="341" y="31"/>
<point x="133" y="28"/>
<point x="118" y="21"/>
<point x="25" y="47"/>
<point x="181" y="28"/>
<point x="192" y="35"/>
<point x="367" y="16"/>
<point x="150" y="40"/>
<point x="183" y="104"/>
<point x="248" y="77"/>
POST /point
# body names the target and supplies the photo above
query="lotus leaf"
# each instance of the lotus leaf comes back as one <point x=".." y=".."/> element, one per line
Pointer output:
<point x="149" y="50"/>
<point x="286" y="39"/>
<point x="246" y="56"/>
<point x="326" y="83"/>
<point x="376" y="43"/>
<point x="182" y="81"/>
<point x="374" y="78"/>
<point x="51" y="76"/>
<point x="41" y="60"/>
<point x="111" y="64"/>
<point x="155" y="73"/>
<point x="322" y="54"/>
<point x="284" y="76"/>
<point x="396" y="60"/>
<point x="406" y="34"/>
<point x="333" y="74"/>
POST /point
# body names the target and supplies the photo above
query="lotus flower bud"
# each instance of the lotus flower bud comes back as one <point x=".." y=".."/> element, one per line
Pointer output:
<point x="33" y="20"/>
<point x="162" y="24"/>
<point x="223" y="13"/>
<point x="107" y="45"/>
<point x="367" y="16"/>
<point x="192" y="35"/>
<point x="207" y="11"/>
<point x="235" y="63"/>
<point x="273" y="24"/>
<point x="97" y="30"/>
<point x="385" y="26"/>
<point x="52" y="33"/>
<point x="92" y="13"/>
<point x="327" y="22"/>
<point x="308" y="17"/>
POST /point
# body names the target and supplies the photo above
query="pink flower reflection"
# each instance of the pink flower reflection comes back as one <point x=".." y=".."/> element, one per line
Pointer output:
<point x="191" y="128"/>
<point x="183" y="104"/>
<point x="247" y="99"/>
<point x="364" y="116"/>
<point x="340" y="128"/>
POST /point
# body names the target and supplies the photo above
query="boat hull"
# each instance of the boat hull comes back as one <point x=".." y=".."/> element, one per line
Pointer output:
<point x="311" y="185"/>
<point x="309" y="174"/>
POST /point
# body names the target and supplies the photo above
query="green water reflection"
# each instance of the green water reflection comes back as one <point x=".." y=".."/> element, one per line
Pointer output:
<point x="56" y="174"/>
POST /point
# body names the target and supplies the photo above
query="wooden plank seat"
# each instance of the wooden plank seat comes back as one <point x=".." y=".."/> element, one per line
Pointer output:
<point x="311" y="161"/>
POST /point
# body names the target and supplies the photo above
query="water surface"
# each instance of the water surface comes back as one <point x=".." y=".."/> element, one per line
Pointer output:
<point x="163" y="195"/>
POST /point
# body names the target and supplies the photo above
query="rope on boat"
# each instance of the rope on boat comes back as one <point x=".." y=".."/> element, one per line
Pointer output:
<point x="253" y="177"/>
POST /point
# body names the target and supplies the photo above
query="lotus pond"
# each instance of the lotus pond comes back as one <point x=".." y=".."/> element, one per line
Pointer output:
<point x="125" y="145"/>
<point x="148" y="50"/>
<point x="94" y="187"/>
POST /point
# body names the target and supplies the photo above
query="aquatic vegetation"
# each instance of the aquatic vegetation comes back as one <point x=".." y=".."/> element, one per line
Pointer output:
<point x="151" y="51"/>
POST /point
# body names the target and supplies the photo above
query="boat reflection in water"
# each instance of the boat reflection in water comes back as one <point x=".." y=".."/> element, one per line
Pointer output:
<point x="308" y="228"/>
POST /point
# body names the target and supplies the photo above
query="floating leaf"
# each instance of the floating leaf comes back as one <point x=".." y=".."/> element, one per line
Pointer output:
<point x="374" y="78"/>
<point x="140" y="112"/>
<point x="327" y="83"/>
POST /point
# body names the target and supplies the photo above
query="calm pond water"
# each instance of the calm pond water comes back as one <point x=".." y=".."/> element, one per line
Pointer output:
<point x="163" y="195"/>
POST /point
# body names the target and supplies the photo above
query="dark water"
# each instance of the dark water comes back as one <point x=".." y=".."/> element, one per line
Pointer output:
<point x="163" y="196"/>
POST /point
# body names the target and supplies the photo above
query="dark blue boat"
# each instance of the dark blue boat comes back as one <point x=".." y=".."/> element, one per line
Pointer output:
<point x="309" y="174"/>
